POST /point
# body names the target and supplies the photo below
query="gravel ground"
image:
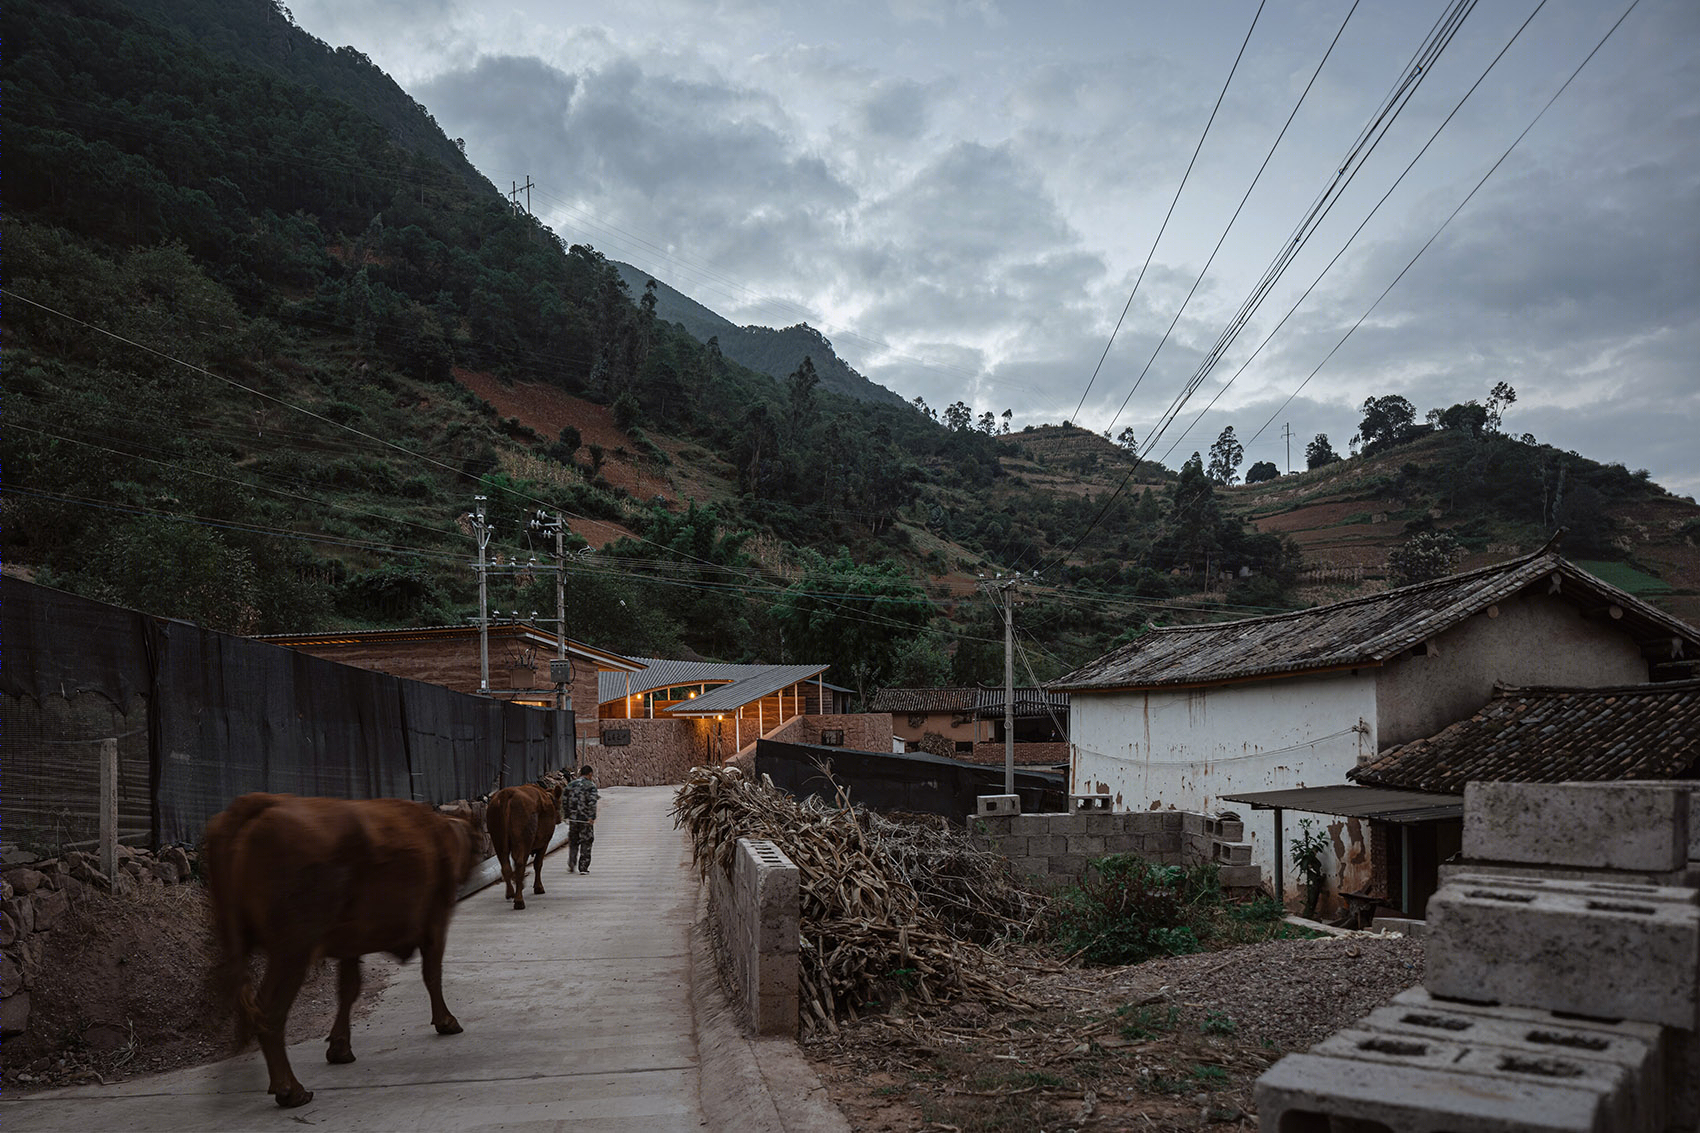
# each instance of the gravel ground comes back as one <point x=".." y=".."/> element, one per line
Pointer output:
<point x="1292" y="993"/>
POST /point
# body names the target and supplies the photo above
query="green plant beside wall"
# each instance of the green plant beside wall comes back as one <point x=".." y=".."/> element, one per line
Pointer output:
<point x="1308" y="849"/>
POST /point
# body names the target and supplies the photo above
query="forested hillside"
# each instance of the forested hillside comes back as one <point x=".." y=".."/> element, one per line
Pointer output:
<point x="267" y="334"/>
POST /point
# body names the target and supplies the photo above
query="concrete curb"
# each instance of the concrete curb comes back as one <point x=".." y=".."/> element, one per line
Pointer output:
<point x="761" y="1085"/>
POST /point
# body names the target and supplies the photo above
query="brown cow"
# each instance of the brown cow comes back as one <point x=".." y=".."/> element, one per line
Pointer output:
<point x="520" y="821"/>
<point x="305" y="878"/>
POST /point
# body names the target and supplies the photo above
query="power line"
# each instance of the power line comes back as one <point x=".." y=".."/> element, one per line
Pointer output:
<point x="1450" y="218"/>
<point x="1172" y="203"/>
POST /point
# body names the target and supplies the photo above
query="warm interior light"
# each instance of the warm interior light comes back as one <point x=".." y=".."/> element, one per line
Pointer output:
<point x="691" y="696"/>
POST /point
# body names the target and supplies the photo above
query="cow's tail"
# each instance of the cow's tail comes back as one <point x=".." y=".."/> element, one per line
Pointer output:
<point x="231" y="981"/>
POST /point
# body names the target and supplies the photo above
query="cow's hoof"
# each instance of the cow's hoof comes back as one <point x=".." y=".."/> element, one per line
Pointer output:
<point x="340" y="1053"/>
<point x="519" y="902"/>
<point x="293" y="1097"/>
<point x="537" y="889"/>
<point x="452" y="1027"/>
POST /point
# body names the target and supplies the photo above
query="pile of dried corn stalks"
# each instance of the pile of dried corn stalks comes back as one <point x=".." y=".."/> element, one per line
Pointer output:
<point x="879" y="898"/>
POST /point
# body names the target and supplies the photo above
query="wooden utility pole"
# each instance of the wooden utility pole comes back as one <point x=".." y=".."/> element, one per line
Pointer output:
<point x="1004" y="586"/>
<point x="1287" y="432"/>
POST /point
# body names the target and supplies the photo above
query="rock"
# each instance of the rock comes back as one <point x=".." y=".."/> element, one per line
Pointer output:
<point x="84" y="869"/>
<point x="15" y="1016"/>
<point x="124" y="885"/>
<point x="49" y="906"/>
<point x="8" y="930"/>
<point x="132" y="867"/>
<point x="165" y="871"/>
<point x="5" y="890"/>
<point x="128" y="852"/>
<point x="11" y="978"/>
<point x="73" y="889"/>
<point x="26" y="880"/>
<point x="176" y="856"/>
<point x="21" y="910"/>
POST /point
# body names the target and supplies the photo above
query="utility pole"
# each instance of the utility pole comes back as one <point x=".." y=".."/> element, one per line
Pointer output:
<point x="1287" y="431"/>
<point x="1004" y="586"/>
<point x="516" y="189"/>
<point x="561" y="671"/>
<point x="481" y="535"/>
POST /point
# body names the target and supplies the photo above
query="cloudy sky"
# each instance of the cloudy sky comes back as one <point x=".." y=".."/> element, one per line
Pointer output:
<point x="961" y="194"/>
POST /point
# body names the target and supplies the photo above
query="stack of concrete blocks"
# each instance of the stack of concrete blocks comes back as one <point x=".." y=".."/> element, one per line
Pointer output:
<point x="1561" y="987"/>
<point x="1056" y="848"/>
<point x="759" y="907"/>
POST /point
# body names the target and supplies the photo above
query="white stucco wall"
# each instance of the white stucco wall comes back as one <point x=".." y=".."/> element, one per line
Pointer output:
<point x="1531" y="639"/>
<point x="1186" y="748"/>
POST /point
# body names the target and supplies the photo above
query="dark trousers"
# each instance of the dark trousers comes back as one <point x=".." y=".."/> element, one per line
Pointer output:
<point x="580" y="836"/>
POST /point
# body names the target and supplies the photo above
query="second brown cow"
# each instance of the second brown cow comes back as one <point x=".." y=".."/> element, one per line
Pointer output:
<point x="521" y="820"/>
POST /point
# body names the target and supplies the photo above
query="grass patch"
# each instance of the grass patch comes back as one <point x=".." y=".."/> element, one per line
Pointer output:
<point x="1148" y="1022"/>
<point x="1126" y="910"/>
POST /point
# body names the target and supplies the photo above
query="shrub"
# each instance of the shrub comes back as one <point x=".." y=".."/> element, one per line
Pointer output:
<point x="1126" y="909"/>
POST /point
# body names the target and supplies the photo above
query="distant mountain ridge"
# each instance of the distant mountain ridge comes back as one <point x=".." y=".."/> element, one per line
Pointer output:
<point x="768" y="351"/>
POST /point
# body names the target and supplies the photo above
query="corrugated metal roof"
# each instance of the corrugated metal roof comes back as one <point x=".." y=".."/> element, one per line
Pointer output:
<point x="662" y="672"/>
<point x="1553" y="735"/>
<point x="1349" y="801"/>
<point x="1362" y="631"/>
<point x="729" y="698"/>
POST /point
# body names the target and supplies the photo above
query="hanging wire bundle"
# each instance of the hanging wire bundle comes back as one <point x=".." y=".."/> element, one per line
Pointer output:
<point x="881" y="901"/>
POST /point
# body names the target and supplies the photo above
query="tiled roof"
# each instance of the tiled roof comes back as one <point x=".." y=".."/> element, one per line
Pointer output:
<point x="1029" y="702"/>
<point x="1553" y="735"/>
<point x="1361" y="631"/>
<point x="604" y="658"/>
<point x="902" y="700"/>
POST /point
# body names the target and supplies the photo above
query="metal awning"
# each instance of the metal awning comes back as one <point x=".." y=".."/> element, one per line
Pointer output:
<point x="1350" y="801"/>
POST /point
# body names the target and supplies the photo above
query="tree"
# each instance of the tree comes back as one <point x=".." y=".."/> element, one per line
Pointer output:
<point x="800" y="395"/>
<point x="959" y="416"/>
<point x="988" y="423"/>
<point x="1386" y="421"/>
<point x="1500" y="398"/>
<point x="1225" y="457"/>
<point x="1422" y="557"/>
<point x="1261" y="471"/>
<point x="1465" y="417"/>
<point x="856" y="617"/>
<point x="1128" y="439"/>
<point x="1007" y="414"/>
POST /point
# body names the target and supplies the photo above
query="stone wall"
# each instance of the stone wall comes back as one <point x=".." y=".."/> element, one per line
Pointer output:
<point x="34" y="897"/>
<point x="863" y="731"/>
<point x="758" y="909"/>
<point x="1057" y="848"/>
<point x="661" y="752"/>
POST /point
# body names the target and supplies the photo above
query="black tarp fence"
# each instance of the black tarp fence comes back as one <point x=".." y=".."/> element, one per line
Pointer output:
<point x="914" y="782"/>
<point x="222" y="716"/>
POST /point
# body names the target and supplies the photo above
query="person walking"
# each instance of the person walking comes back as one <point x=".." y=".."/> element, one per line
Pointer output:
<point x="581" y="819"/>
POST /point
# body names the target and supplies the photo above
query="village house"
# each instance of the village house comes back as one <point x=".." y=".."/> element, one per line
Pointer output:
<point x="1268" y="715"/>
<point x="449" y="656"/>
<point x="971" y="722"/>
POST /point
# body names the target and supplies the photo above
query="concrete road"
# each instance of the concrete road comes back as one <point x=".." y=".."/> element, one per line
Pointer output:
<point x="577" y="1012"/>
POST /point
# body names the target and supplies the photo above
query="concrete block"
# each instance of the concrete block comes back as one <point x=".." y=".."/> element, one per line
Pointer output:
<point x="1031" y="867"/>
<point x="1230" y="830"/>
<point x="1231" y="853"/>
<point x="1121" y="843"/>
<point x="1173" y="820"/>
<point x="1089" y="802"/>
<point x="1144" y="822"/>
<point x="1168" y="842"/>
<point x="1070" y="866"/>
<point x="1087" y="845"/>
<point x="1103" y="824"/>
<point x="1635" y="825"/>
<point x="1555" y="1038"/>
<point x="1045" y="845"/>
<point x="1612" y="1081"/>
<point x="1070" y="824"/>
<point x="1540" y="944"/>
<point x="1011" y="846"/>
<point x="1312" y="1093"/>
<point x="990" y="823"/>
<point x="998" y="804"/>
<point x="1030" y="824"/>
<point x="1422" y="999"/>
<point x="1192" y="823"/>
<point x="1240" y="876"/>
<point x="1687" y="877"/>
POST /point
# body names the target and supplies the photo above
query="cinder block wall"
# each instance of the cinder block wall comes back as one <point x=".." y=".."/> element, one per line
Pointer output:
<point x="758" y="909"/>
<point x="1056" y="848"/>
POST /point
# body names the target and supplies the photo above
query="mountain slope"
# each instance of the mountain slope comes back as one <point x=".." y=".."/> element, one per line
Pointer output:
<point x="767" y="351"/>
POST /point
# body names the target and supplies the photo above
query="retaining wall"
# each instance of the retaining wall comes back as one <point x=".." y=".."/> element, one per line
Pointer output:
<point x="758" y="908"/>
<point x="661" y="752"/>
<point x="1057" y="848"/>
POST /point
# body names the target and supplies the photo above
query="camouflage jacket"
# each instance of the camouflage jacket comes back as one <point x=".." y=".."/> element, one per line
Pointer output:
<point x="581" y="801"/>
